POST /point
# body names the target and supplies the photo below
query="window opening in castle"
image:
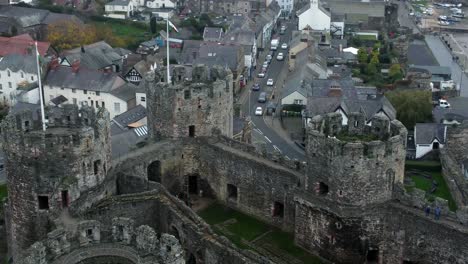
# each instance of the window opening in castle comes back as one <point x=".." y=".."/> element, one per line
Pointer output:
<point x="97" y="164"/>
<point x="356" y="123"/>
<point x="373" y="256"/>
<point x="187" y="94"/>
<point x="323" y="188"/>
<point x="26" y="124"/>
<point x="192" y="259"/>
<point x="43" y="202"/>
<point x="232" y="191"/>
<point x="193" y="184"/>
<point x="278" y="210"/>
<point x="154" y="171"/>
<point x="89" y="233"/>
<point x="65" y="201"/>
<point x="191" y="131"/>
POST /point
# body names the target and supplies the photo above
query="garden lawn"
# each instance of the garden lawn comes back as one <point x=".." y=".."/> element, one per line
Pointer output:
<point x="128" y="33"/>
<point x="422" y="183"/>
<point x="249" y="228"/>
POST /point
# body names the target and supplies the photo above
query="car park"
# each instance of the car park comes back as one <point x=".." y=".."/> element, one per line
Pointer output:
<point x="280" y="56"/>
<point x="259" y="111"/>
<point x="270" y="82"/>
<point x="256" y="87"/>
<point x="284" y="46"/>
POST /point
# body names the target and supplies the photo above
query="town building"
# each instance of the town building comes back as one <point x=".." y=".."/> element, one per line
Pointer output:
<point x="24" y="44"/>
<point x="213" y="34"/>
<point x="161" y="4"/>
<point x="121" y="9"/>
<point x="314" y="16"/>
<point x="18" y="75"/>
<point x="429" y="137"/>
<point x="86" y="87"/>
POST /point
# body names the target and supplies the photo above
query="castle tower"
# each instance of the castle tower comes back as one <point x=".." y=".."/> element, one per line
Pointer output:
<point x="355" y="164"/>
<point x="48" y="171"/>
<point x="196" y="103"/>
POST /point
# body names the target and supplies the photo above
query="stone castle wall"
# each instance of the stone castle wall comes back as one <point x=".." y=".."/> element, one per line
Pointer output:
<point x="193" y="104"/>
<point x="48" y="171"/>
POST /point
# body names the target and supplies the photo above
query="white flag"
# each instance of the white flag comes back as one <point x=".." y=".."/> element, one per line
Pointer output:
<point x="172" y="25"/>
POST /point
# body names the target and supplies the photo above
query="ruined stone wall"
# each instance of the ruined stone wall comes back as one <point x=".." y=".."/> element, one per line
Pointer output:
<point x="191" y="105"/>
<point x="48" y="171"/>
<point x="355" y="171"/>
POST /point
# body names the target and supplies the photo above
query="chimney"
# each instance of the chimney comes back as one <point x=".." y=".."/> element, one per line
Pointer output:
<point x="54" y="63"/>
<point x="335" y="90"/>
<point x="82" y="49"/>
<point x="75" y="66"/>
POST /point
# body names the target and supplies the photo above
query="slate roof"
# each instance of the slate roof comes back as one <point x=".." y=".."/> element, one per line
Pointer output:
<point x="435" y="70"/>
<point x="299" y="80"/>
<point x="321" y="88"/>
<point x="21" y="44"/>
<point x="119" y="123"/>
<point x="240" y="36"/>
<point x="16" y="62"/>
<point x="213" y="33"/>
<point x="28" y="17"/>
<point x="125" y="92"/>
<point x="95" y="56"/>
<point x="425" y="133"/>
<point x="190" y="51"/>
<point x="119" y="3"/>
<point x="59" y="100"/>
<point x="220" y="55"/>
<point x="84" y="79"/>
<point x="19" y="107"/>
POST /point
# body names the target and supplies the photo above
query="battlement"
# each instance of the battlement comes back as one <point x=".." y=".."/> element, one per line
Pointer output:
<point x="92" y="240"/>
<point x="357" y="163"/>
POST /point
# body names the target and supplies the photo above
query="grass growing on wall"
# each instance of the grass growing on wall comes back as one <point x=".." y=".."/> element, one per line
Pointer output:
<point x="3" y="191"/>
<point x="435" y="169"/>
<point x="247" y="228"/>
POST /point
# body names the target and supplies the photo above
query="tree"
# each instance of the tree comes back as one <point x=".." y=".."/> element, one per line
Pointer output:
<point x="371" y="69"/>
<point x="153" y="25"/>
<point x="412" y="106"/>
<point x="375" y="58"/>
<point x="70" y="34"/>
<point x="362" y="55"/>
<point x="395" y="72"/>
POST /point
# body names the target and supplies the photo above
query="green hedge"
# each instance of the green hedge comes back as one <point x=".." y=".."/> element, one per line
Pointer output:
<point x="423" y="165"/>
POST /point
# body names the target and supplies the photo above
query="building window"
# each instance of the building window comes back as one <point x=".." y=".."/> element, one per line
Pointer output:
<point x="8" y="73"/>
<point x="32" y="78"/>
<point x="9" y="85"/>
<point x="298" y="101"/>
<point x="98" y="93"/>
<point x="143" y="99"/>
<point x="103" y="105"/>
<point x="43" y="202"/>
<point x="1" y="86"/>
<point x="73" y="90"/>
<point x="85" y="92"/>
<point x="74" y="101"/>
<point x="117" y="107"/>
<point x="22" y="75"/>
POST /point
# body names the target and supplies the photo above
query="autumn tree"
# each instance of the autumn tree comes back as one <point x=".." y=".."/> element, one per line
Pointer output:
<point x="412" y="106"/>
<point x="70" y="34"/>
<point x="395" y="72"/>
<point x="362" y="55"/>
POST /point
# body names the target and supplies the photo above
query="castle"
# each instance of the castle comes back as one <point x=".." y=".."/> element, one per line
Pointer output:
<point x="69" y="202"/>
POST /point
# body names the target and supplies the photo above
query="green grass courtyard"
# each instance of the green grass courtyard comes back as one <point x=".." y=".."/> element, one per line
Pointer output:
<point x="249" y="233"/>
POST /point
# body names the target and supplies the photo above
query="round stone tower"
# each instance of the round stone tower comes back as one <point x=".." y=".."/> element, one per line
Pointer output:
<point x="357" y="164"/>
<point x="196" y="102"/>
<point x="47" y="171"/>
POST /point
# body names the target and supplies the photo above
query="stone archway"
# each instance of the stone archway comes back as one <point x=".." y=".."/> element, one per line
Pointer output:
<point x="154" y="171"/>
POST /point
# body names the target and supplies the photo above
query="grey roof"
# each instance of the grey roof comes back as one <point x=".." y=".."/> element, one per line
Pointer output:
<point x="16" y="62"/>
<point x="95" y="56"/>
<point x="299" y="80"/>
<point x="119" y="124"/>
<point x="213" y="33"/>
<point x="223" y="55"/>
<point x="190" y="51"/>
<point x="26" y="17"/>
<point x="56" y="17"/>
<point x="125" y="92"/>
<point x="124" y="142"/>
<point x="119" y="3"/>
<point x="21" y="106"/>
<point x="321" y="88"/>
<point x="307" y="7"/>
<point x="240" y="36"/>
<point x="437" y="70"/>
<point x="84" y="79"/>
<point x="427" y="132"/>
<point x="59" y="100"/>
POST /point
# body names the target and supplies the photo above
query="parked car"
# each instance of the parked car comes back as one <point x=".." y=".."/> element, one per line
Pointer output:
<point x="280" y="56"/>
<point x="270" y="82"/>
<point x="443" y="103"/>
<point x="262" y="97"/>
<point x="284" y="46"/>
<point x="261" y="75"/>
<point x="268" y="57"/>
<point x="265" y="64"/>
<point x="259" y="111"/>
<point x="256" y="87"/>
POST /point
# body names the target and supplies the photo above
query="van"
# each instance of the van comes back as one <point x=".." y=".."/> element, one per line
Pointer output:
<point x="262" y="97"/>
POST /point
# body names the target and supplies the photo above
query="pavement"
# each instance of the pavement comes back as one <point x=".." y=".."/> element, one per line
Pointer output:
<point x="404" y="18"/>
<point x="268" y="128"/>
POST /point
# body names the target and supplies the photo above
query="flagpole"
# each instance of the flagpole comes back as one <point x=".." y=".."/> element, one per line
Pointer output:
<point x="167" y="50"/>
<point x="40" y="88"/>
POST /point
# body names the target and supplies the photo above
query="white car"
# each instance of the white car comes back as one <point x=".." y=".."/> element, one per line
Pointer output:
<point x="258" y="111"/>
<point x="270" y="82"/>
<point x="261" y="75"/>
<point x="443" y="103"/>
<point x="280" y="56"/>
<point x="284" y="46"/>
<point x="265" y="64"/>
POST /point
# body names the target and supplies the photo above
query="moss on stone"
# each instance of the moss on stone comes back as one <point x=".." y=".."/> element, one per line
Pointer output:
<point x="344" y="136"/>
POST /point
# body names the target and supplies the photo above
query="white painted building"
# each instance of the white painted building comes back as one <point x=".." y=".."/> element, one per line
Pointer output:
<point x="429" y="137"/>
<point x="93" y="88"/>
<point x="120" y="9"/>
<point x="287" y="6"/>
<point x="296" y="97"/>
<point x="17" y="74"/>
<point x="161" y="4"/>
<point x="313" y="15"/>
